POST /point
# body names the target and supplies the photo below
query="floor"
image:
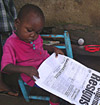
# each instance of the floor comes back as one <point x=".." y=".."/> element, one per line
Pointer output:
<point x="10" y="100"/>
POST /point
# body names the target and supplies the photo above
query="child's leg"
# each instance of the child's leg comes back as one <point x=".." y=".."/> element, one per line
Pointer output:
<point x="54" y="100"/>
<point x="11" y="80"/>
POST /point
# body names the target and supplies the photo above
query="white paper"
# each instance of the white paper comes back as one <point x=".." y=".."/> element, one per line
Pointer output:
<point x="70" y="80"/>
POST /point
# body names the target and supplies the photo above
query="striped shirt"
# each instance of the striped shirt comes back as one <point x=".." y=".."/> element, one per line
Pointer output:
<point x="7" y="15"/>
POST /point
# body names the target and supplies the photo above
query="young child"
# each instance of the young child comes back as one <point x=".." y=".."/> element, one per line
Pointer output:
<point x="23" y="51"/>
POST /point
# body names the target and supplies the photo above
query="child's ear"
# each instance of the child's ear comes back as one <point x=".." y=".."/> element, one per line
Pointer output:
<point x="16" y="23"/>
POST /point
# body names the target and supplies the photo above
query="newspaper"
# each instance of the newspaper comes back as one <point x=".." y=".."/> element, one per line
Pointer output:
<point x="70" y="80"/>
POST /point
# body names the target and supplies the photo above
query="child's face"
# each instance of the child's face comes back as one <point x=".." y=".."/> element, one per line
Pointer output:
<point x="29" y="28"/>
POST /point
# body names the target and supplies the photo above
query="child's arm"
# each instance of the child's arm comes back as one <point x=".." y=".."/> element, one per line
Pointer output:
<point x="28" y="70"/>
<point x="53" y="49"/>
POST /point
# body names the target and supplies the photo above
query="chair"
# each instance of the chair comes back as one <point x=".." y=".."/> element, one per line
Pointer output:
<point x="47" y="37"/>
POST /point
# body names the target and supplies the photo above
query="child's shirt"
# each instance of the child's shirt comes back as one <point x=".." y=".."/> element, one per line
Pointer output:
<point x="18" y="52"/>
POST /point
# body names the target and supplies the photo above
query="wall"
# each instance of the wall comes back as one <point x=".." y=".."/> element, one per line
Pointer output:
<point x="59" y="12"/>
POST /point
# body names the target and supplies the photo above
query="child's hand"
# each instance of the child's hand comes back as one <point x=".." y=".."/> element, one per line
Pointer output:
<point x="31" y="71"/>
<point x="58" y="51"/>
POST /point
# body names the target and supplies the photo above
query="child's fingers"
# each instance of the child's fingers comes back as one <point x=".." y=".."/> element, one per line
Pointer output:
<point x="35" y="78"/>
<point x="62" y="53"/>
<point x="56" y="54"/>
<point x="37" y="74"/>
<point x="59" y="52"/>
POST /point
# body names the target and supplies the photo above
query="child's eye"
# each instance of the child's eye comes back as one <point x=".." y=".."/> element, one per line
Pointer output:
<point x="29" y="30"/>
<point x="37" y="32"/>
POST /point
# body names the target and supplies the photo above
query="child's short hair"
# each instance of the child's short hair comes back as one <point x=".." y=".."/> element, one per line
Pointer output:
<point x="27" y="8"/>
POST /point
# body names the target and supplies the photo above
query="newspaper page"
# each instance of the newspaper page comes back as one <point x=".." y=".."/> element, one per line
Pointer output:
<point x="70" y="80"/>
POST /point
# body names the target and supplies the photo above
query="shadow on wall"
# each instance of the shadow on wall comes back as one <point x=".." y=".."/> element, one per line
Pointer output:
<point x="79" y="1"/>
<point x="95" y="18"/>
<point x="61" y="12"/>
